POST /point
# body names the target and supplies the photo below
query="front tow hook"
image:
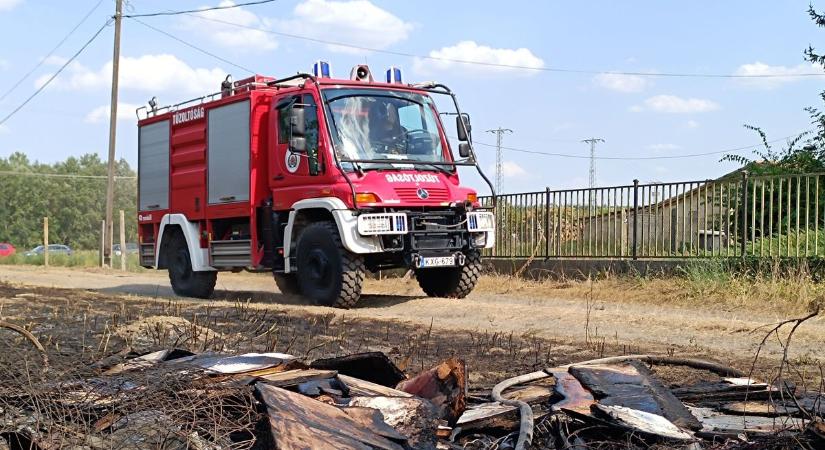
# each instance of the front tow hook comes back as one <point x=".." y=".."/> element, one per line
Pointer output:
<point x="460" y="259"/>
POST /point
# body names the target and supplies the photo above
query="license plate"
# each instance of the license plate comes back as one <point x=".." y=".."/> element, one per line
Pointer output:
<point x="437" y="261"/>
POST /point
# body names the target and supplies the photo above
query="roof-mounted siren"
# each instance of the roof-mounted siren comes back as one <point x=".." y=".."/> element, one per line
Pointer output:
<point x="394" y="75"/>
<point x="322" y="69"/>
<point x="226" y="87"/>
<point x="361" y="73"/>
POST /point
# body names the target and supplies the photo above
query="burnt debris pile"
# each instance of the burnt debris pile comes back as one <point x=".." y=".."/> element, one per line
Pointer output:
<point x="175" y="399"/>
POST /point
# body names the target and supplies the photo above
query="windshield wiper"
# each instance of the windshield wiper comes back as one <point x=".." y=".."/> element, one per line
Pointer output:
<point x="437" y="166"/>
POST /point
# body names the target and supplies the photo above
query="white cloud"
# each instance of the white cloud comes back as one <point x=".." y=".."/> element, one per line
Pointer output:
<point x="470" y="51"/>
<point x="149" y="73"/>
<point x="357" y="22"/>
<point x="774" y="76"/>
<point x="692" y="124"/>
<point x="229" y="35"/>
<point x="509" y="169"/>
<point x="4" y="64"/>
<point x="4" y="129"/>
<point x="125" y="111"/>
<point x="8" y="5"/>
<point x="663" y="147"/>
<point x="621" y="83"/>
<point x="676" y="105"/>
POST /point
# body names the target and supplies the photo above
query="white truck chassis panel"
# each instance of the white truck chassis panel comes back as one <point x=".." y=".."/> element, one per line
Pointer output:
<point x="345" y="220"/>
<point x="347" y="227"/>
<point x="199" y="256"/>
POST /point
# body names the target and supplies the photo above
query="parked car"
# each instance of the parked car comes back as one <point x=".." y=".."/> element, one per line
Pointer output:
<point x="53" y="249"/>
<point x="130" y="248"/>
<point x="6" y="249"/>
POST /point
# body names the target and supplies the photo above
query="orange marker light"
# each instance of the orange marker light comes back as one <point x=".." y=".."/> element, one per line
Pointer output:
<point x="472" y="198"/>
<point x="366" y="197"/>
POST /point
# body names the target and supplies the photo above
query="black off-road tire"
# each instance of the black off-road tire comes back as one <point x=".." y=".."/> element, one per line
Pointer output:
<point x="451" y="282"/>
<point x="287" y="283"/>
<point x="185" y="281"/>
<point x="328" y="274"/>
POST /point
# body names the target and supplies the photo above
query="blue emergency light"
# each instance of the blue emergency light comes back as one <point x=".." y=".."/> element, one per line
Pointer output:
<point x="322" y="69"/>
<point x="394" y="75"/>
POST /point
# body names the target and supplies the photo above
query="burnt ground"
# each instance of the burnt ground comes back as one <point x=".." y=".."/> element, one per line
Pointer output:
<point x="79" y="328"/>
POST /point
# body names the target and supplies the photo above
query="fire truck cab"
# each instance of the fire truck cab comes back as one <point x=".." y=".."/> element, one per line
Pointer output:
<point x="314" y="179"/>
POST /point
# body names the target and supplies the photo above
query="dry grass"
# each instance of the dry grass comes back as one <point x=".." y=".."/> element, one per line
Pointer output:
<point x="698" y="286"/>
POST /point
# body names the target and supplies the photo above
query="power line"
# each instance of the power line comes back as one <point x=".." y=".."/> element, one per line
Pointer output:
<point x="61" y="175"/>
<point x="190" y="11"/>
<point x="193" y="46"/>
<point x="508" y="66"/>
<point x="51" y="52"/>
<point x="66" y="64"/>
<point x="634" y="158"/>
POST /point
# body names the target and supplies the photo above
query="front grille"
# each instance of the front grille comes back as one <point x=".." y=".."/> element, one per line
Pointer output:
<point x="410" y="195"/>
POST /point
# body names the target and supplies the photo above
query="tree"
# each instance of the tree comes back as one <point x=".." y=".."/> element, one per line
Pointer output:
<point x="817" y="115"/>
<point x="74" y="204"/>
<point x="797" y="156"/>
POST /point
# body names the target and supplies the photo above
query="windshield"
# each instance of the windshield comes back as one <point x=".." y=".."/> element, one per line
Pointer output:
<point x="371" y="124"/>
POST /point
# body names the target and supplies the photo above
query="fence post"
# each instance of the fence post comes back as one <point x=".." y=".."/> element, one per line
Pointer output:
<point x="546" y="222"/>
<point x="102" y="243"/>
<point x="122" y="241"/>
<point x="635" y="217"/>
<point x="744" y="238"/>
<point x="46" y="241"/>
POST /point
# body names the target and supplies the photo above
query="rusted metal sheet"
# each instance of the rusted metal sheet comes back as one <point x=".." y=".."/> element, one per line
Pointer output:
<point x="642" y="422"/>
<point x="631" y="385"/>
<point x="358" y="386"/>
<point x="716" y="424"/>
<point x="758" y="408"/>
<point x="248" y="362"/>
<point x="296" y="376"/>
<point x="148" y="360"/>
<point x="575" y="397"/>
<point x="445" y="385"/>
<point x="299" y="422"/>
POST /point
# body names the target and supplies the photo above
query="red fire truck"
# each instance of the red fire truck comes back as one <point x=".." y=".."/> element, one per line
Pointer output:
<point x="314" y="179"/>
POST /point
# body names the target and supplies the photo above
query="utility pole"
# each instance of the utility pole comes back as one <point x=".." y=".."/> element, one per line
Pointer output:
<point x="592" y="142"/>
<point x="499" y="160"/>
<point x="110" y="181"/>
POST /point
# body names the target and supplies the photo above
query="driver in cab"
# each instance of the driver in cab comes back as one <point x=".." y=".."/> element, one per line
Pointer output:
<point x="387" y="136"/>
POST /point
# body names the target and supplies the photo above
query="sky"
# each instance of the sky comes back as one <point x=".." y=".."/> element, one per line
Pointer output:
<point x="548" y="111"/>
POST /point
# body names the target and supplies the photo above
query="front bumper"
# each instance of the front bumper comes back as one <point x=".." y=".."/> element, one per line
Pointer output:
<point x="433" y="232"/>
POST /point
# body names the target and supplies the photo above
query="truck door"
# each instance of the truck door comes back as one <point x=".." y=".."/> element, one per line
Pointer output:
<point x="294" y="171"/>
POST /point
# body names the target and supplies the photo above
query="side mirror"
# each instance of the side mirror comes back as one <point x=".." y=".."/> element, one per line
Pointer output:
<point x="463" y="127"/>
<point x="298" y="144"/>
<point x="464" y="150"/>
<point x="297" y="121"/>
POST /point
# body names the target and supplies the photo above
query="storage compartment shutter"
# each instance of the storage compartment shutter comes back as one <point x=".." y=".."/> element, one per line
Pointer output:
<point x="228" y="143"/>
<point x="153" y="166"/>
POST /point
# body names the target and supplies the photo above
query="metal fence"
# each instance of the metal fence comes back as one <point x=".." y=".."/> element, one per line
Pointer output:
<point x="757" y="216"/>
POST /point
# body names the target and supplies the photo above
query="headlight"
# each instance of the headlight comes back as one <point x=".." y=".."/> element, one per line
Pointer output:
<point x="374" y="224"/>
<point x="480" y="221"/>
<point x="480" y="240"/>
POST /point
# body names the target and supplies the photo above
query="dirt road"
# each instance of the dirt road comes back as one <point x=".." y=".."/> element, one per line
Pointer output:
<point x="624" y="325"/>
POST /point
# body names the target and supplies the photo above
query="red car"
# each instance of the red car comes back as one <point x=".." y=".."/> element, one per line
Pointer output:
<point x="6" y="249"/>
